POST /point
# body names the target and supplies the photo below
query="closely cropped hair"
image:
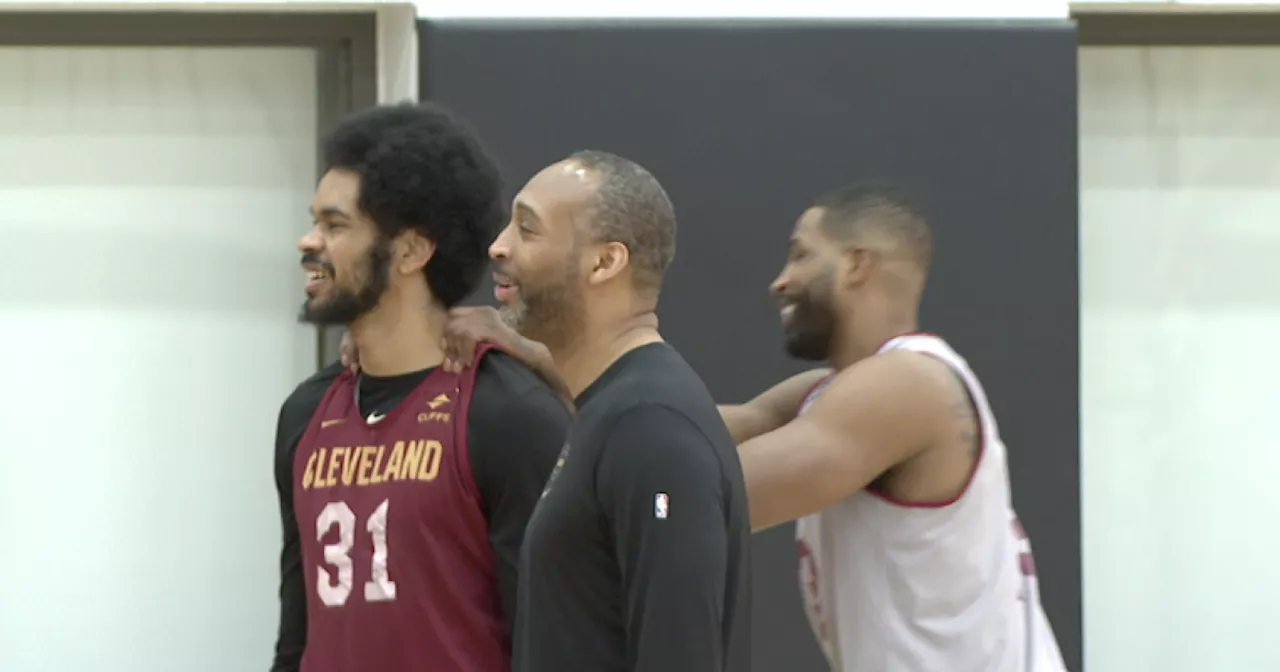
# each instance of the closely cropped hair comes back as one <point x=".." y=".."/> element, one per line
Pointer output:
<point x="632" y="208"/>
<point x="423" y="168"/>
<point x="880" y="208"/>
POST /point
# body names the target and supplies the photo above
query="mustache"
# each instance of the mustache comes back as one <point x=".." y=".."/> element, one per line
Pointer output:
<point x="502" y="276"/>
<point x="313" y="259"/>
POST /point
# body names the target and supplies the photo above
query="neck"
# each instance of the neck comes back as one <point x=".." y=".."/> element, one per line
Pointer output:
<point x="851" y="348"/>
<point x="583" y="361"/>
<point x="397" y="339"/>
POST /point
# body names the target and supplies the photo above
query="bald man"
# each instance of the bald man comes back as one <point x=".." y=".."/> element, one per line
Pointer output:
<point x="637" y="557"/>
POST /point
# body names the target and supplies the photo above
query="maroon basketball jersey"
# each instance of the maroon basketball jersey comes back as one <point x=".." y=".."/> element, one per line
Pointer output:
<point x="395" y="550"/>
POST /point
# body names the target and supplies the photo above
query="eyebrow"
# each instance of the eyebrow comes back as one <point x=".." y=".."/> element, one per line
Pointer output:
<point x="524" y="208"/>
<point x="329" y="211"/>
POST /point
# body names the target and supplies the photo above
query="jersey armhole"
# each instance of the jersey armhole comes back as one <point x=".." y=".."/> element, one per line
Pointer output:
<point x="467" y="381"/>
<point x="813" y="389"/>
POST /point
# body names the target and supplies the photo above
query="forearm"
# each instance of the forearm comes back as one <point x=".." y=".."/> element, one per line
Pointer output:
<point x="744" y="422"/>
<point x="770" y="409"/>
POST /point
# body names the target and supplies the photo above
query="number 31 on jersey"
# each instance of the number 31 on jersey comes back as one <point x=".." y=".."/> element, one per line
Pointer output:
<point x="379" y="587"/>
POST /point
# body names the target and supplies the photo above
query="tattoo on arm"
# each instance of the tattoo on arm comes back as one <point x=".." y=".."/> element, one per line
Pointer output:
<point x="963" y="414"/>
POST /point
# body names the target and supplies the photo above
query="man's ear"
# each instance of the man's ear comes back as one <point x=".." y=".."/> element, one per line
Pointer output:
<point x="855" y="264"/>
<point x="411" y="252"/>
<point x="607" y="261"/>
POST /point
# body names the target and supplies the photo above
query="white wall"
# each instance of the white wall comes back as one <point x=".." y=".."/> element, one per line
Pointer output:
<point x="1180" y="305"/>
<point x="150" y="200"/>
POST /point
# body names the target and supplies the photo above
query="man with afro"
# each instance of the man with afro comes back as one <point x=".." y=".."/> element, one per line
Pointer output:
<point x="405" y="488"/>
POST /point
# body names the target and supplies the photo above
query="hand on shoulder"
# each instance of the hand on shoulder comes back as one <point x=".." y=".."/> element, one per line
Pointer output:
<point x="467" y="327"/>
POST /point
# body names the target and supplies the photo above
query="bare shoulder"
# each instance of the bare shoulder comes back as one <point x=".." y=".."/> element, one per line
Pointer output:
<point x="952" y="414"/>
<point x="902" y="395"/>
<point x="890" y="377"/>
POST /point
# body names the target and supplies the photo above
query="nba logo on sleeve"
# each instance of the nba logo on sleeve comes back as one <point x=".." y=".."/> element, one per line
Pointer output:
<point x="660" y="506"/>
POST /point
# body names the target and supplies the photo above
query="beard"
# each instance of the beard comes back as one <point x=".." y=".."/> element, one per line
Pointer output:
<point x="348" y="302"/>
<point x="807" y="335"/>
<point x="548" y="311"/>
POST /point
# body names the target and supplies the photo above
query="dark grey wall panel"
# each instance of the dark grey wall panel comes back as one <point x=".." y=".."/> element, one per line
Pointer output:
<point x="745" y="123"/>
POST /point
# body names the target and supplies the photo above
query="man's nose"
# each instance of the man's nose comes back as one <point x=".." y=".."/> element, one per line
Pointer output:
<point x="779" y="285"/>
<point x="500" y="249"/>
<point x="310" y="241"/>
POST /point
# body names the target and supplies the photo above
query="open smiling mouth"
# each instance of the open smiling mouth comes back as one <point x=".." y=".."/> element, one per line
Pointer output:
<point x="787" y="312"/>
<point x="504" y="290"/>
<point x="505" y="293"/>
<point x="315" y="278"/>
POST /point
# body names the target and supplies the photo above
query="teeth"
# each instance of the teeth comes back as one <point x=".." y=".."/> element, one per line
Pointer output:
<point x="315" y="275"/>
<point x="787" y="310"/>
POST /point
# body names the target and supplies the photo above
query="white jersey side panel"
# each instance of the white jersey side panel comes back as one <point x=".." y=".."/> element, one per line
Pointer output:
<point x="943" y="587"/>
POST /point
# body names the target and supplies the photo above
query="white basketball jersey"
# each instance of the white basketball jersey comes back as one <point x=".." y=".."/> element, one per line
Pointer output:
<point x="894" y="586"/>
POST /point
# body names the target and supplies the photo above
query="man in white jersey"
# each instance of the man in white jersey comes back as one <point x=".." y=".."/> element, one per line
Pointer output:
<point x="911" y="557"/>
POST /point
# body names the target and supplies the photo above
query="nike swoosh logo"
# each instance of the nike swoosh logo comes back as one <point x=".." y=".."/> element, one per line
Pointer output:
<point x="375" y="418"/>
<point x="330" y="423"/>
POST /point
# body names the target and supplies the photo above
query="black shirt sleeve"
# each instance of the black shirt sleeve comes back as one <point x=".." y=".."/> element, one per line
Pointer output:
<point x="295" y="415"/>
<point x="515" y="431"/>
<point x="661" y="485"/>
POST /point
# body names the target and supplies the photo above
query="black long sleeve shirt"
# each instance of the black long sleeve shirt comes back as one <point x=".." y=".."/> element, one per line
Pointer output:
<point x="637" y="559"/>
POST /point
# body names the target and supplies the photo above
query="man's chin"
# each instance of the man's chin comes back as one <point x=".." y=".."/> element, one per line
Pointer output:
<point x="804" y="350"/>
<point x="321" y="314"/>
<point x="510" y="314"/>
<point x="530" y="324"/>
